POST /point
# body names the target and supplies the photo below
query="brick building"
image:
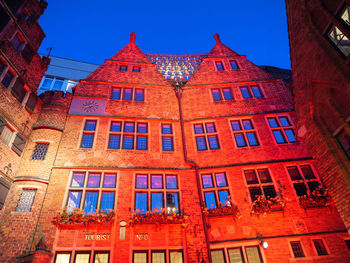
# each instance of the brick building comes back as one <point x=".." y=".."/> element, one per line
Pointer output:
<point x="21" y="70"/>
<point x="321" y="82"/>
<point x="196" y="156"/>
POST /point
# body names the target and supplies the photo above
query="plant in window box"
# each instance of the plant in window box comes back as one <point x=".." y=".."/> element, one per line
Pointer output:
<point x="263" y="205"/>
<point x="224" y="210"/>
<point x="158" y="216"/>
<point x="317" y="198"/>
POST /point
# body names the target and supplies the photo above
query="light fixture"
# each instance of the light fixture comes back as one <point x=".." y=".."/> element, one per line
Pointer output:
<point x="263" y="243"/>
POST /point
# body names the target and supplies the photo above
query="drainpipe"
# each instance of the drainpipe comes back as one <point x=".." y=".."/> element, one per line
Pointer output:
<point x="178" y="92"/>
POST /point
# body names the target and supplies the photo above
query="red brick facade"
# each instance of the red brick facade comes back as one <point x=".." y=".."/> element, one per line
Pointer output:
<point x="198" y="234"/>
<point x="321" y="77"/>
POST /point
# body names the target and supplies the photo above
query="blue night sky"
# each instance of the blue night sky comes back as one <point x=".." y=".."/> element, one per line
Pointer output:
<point x="92" y="31"/>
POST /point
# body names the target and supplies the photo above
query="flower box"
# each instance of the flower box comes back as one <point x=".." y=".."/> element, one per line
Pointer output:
<point x="223" y="211"/>
<point x="318" y="198"/>
<point x="157" y="217"/>
<point x="263" y="205"/>
<point x="78" y="217"/>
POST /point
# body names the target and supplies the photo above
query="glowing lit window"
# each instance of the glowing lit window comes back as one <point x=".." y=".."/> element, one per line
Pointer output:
<point x="339" y="39"/>
<point x="244" y="133"/>
<point x="303" y="179"/>
<point x="91" y="192"/>
<point x="116" y="93"/>
<point x="219" y="65"/>
<point x="156" y="191"/>
<point x="259" y="183"/>
<point x="215" y="190"/>
<point x="88" y="134"/>
<point x="209" y="137"/>
<point x="233" y="64"/>
<point x="282" y="129"/>
<point x="345" y="14"/>
<point x="158" y="256"/>
<point x="167" y="137"/>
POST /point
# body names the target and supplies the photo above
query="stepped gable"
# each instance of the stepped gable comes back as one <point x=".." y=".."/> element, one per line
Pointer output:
<point x="131" y="55"/>
<point x="220" y="50"/>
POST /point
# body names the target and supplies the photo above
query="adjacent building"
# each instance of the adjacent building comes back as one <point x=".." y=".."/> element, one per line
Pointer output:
<point x="319" y="45"/>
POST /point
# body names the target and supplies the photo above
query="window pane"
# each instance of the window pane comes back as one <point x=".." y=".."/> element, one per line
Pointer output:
<point x="269" y="191"/>
<point x="251" y="177"/>
<point x="245" y="92"/>
<point x="207" y="181"/>
<point x="255" y="192"/>
<point x="114" y="141"/>
<point x="107" y="202"/>
<point x="139" y="95"/>
<point x="219" y="65"/>
<point x="116" y="93"/>
<point x="273" y="122"/>
<point x="201" y="143"/>
<point x="127" y="94"/>
<point x="157" y="201"/>
<point x="141" y="143"/>
<point x="253" y="255"/>
<point x="141" y="202"/>
<point x="47" y="83"/>
<point x="82" y="258"/>
<point x="213" y="142"/>
<point x="129" y="127"/>
<point x="290" y="135"/>
<point x="90" y="204"/>
<point x="101" y="257"/>
<point x="6" y="81"/>
<point x="307" y="172"/>
<point x="216" y="94"/>
<point x="167" y="129"/>
<point x="345" y="15"/>
<point x="109" y="180"/>
<point x="247" y="124"/>
<point x="240" y="141"/>
<point x="90" y="125"/>
<point x="217" y="256"/>
<point x="223" y="197"/>
<point x="210" y="200"/>
<point x="172" y="200"/>
<point x="142" y="128"/>
<point x="94" y="180"/>
<point x="256" y="91"/>
<point x="26" y="200"/>
<point x="297" y="249"/>
<point x="176" y="257"/>
<point x="313" y="185"/>
<point x="236" y="125"/>
<point x="40" y="151"/>
<point x="344" y="140"/>
<point x="158" y="257"/>
<point x="87" y="140"/>
<point x="210" y="127"/>
<point x="58" y="84"/>
<point x="235" y="255"/>
<point x="279" y="136"/>
<point x="116" y="126"/>
<point x="321" y="249"/>
<point x="74" y="198"/>
<point x="136" y="69"/>
<point x="140" y="257"/>
<point x="264" y="176"/>
<point x="123" y="68"/>
<point x="227" y="93"/>
<point x="78" y="180"/>
<point x="167" y="143"/>
<point x="128" y="142"/>
<point x="62" y="258"/>
<point x="198" y="129"/>
<point x="284" y="121"/>
<point x="253" y="141"/>
<point x="141" y="181"/>
<point x="300" y="188"/>
<point x="220" y="180"/>
<point x="157" y="181"/>
<point x="233" y="64"/>
<point x="294" y="173"/>
<point x="171" y="181"/>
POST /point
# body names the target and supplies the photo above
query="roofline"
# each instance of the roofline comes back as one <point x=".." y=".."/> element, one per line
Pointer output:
<point x="73" y="60"/>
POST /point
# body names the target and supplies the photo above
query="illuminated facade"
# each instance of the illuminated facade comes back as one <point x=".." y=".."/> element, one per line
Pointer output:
<point x="193" y="164"/>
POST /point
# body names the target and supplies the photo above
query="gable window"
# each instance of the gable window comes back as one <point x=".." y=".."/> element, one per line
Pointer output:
<point x="92" y="191"/>
<point x="167" y="137"/>
<point x="128" y="94"/>
<point x="259" y="183"/>
<point x="303" y="179"/>
<point x="251" y="91"/>
<point x="123" y="68"/>
<point x="320" y="247"/>
<point x="207" y="136"/>
<point x="136" y="69"/>
<point x="282" y="129"/>
<point x="297" y="249"/>
<point x="88" y="134"/>
<point x="220" y="94"/>
<point x="156" y="191"/>
<point x="26" y="200"/>
<point x="215" y="190"/>
<point x="244" y="133"/>
<point x="40" y="151"/>
<point x="233" y="64"/>
<point x="219" y="65"/>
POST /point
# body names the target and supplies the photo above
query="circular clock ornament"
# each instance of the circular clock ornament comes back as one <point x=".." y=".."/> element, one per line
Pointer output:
<point x="89" y="106"/>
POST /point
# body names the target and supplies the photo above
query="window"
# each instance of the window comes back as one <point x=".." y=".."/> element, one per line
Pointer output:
<point x="95" y="189"/>
<point x="282" y="129"/>
<point x="40" y="151"/>
<point x="233" y="64"/>
<point x="136" y="69"/>
<point x="88" y="134"/>
<point x="6" y="136"/>
<point x="18" y="42"/>
<point x="115" y="93"/>
<point x="219" y="94"/>
<point x="338" y="38"/>
<point x="31" y="102"/>
<point x="62" y="257"/>
<point x="18" y="90"/>
<point x="26" y="200"/>
<point x="123" y="68"/>
<point x="207" y="136"/>
<point x="7" y="79"/>
<point x="347" y="242"/>
<point x="4" y="18"/>
<point x="158" y="256"/>
<point x="215" y="190"/>
<point x="156" y="191"/>
<point x="345" y="14"/>
<point x="167" y="137"/>
<point x="343" y="139"/>
<point x="320" y="247"/>
<point x="82" y="257"/>
<point x="244" y="133"/>
<point x="219" y="65"/>
<point x="52" y="83"/>
<point x="259" y="183"/>
<point x="127" y="94"/>
<point x="246" y="254"/>
<point x="251" y="91"/>
<point x="297" y="249"/>
<point x="139" y="95"/>
<point x="303" y="179"/>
